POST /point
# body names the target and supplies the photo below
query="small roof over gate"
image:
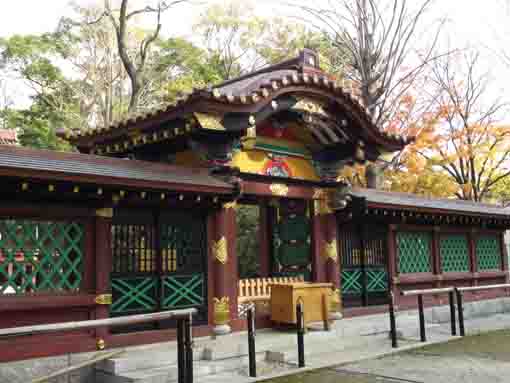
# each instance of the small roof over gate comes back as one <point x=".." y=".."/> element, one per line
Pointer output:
<point x="295" y="90"/>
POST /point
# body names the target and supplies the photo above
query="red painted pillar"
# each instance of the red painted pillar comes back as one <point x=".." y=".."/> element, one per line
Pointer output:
<point x="225" y="269"/>
<point x="325" y="251"/>
<point x="318" y="264"/>
<point x="331" y="251"/>
<point x="103" y="269"/>
<point x="332" y="266"/>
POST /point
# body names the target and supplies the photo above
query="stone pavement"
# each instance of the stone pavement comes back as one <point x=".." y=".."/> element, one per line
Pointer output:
<point x="224" y="359"/>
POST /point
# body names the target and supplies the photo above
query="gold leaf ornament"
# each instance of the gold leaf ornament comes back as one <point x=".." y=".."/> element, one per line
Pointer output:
<point x="221" y="310"/>
<point x="220" y="250"/>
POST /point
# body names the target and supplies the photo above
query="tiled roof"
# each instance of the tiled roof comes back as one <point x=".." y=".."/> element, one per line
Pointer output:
<point x="252" y="89"/>
<point x="63" y="166"/>
<point x="8" y="137"/>
<point x="410" y="201"/>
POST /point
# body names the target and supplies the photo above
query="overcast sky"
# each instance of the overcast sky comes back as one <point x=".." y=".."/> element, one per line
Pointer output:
<point x="470" y="22"/>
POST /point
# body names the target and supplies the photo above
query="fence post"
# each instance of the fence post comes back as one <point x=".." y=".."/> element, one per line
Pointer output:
<point x="451" y="299"/>
<point x="461" y="312"/>
<point x="423" y="336"/>
<point x="189" y="350"/>
<point x="393" y="323"/>
<point x="251" y="343"/>
<point x="181" y="351"/>
<point x="300" y="334"/>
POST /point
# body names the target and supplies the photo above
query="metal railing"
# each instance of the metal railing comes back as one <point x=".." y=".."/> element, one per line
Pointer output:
<point x="184" y="334"/>
<point x="300" y="331"/>
<point x="421" y="313"/>
<point x="453" y="293"/>
<point x="460" y="298"/>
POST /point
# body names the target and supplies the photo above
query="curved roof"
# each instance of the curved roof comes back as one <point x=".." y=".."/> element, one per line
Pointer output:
<point x="247" y="94"/>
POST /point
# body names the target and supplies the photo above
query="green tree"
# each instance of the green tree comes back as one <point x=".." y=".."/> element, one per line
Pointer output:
<point x="247" y="241"/>
<point x="237" y="41"/>
<point x="32" y="59"/>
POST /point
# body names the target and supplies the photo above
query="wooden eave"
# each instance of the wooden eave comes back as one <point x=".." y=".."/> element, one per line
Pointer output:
<point x="308" y="82"/>
<point x="443" y="212"/>
<point x="29" y="164"/>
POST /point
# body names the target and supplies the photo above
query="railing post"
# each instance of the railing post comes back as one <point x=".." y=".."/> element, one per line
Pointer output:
<point x="421" y="314"/>
<point x="393" y="323"/>
<point x="300" y="334"/>
<point x="461" y="312"/>
<point x="451" y="300"/>
<point x="251" y="343"/>
<point x="181" y="351"/>
<point x="189" y="350"/>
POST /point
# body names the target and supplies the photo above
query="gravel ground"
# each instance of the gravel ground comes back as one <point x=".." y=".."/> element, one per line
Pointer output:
<point x="473" y="359"/>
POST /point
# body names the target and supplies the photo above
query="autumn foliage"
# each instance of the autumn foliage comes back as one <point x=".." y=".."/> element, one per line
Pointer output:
<point x="461" y="148"/>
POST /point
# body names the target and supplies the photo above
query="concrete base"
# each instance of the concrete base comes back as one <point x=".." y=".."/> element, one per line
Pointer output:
<point x="223" y="329"/>
<point x="477" y="309"/>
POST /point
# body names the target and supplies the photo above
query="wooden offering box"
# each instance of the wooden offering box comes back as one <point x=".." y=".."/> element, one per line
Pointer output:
<point x="314" y="296"/>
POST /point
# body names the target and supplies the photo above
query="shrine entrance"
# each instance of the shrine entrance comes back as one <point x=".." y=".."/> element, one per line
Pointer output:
<point x="292" y="240"/>
<point x="364" y="265"/>
<point x="159" y="263"/>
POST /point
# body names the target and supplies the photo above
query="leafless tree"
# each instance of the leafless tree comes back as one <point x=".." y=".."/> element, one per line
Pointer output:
<point x="135" y="65"/>
<point x="470" y="145"/>
<point x="381" y="42"/>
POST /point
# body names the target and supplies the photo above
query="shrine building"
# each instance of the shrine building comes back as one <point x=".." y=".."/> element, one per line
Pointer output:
<point x="143" y="218"/>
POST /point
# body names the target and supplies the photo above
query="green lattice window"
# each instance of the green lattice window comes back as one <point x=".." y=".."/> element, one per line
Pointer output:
<point x="38" y="256"/>
<point x="454" y="253"/>
<point x="488" y="253"/>
<point x="414" y="250"/>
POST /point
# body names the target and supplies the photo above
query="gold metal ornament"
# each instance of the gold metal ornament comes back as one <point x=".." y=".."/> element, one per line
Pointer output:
<point x="105" y="213"/>
<point x="280" y="190"/>
<point x="220" y="250"/>
<point x="321" y="207"/>
<point x="230" y="205"/>
<point x="310" y="106"/>
<point x="209" y="122"/>
<point x="335" y="300"/>
<point x="318" y="193"/>
<point x="104" y="299"/>
<point x="100" y="344"/>
<point x="331" y="250"/>
<point x="221" y="310"/>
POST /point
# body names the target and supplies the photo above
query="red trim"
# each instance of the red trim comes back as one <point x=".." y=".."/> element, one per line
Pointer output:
<point x="40" y="302"/>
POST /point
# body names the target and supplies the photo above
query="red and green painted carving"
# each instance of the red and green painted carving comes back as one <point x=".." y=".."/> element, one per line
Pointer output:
<point x="276" y="167"/>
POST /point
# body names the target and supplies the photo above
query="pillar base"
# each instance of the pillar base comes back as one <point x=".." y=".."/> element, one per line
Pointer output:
<point x="222" y="329"/>
<point x="335" y="316"/>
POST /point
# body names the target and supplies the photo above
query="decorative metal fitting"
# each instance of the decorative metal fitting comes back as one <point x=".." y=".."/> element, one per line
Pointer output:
<point x="105" y="213"/>
<point x="280" y="190"/>
<point x="103" y="299"/>
<point x="220" y="250"/>
<point x="221" y="310"/>
<point x="331" y="250"/>
<point x="100" y="344"/>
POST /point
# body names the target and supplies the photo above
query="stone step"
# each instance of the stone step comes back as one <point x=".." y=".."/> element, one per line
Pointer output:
<point x="144" y="359"/>
<point x="169" y="373"/>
